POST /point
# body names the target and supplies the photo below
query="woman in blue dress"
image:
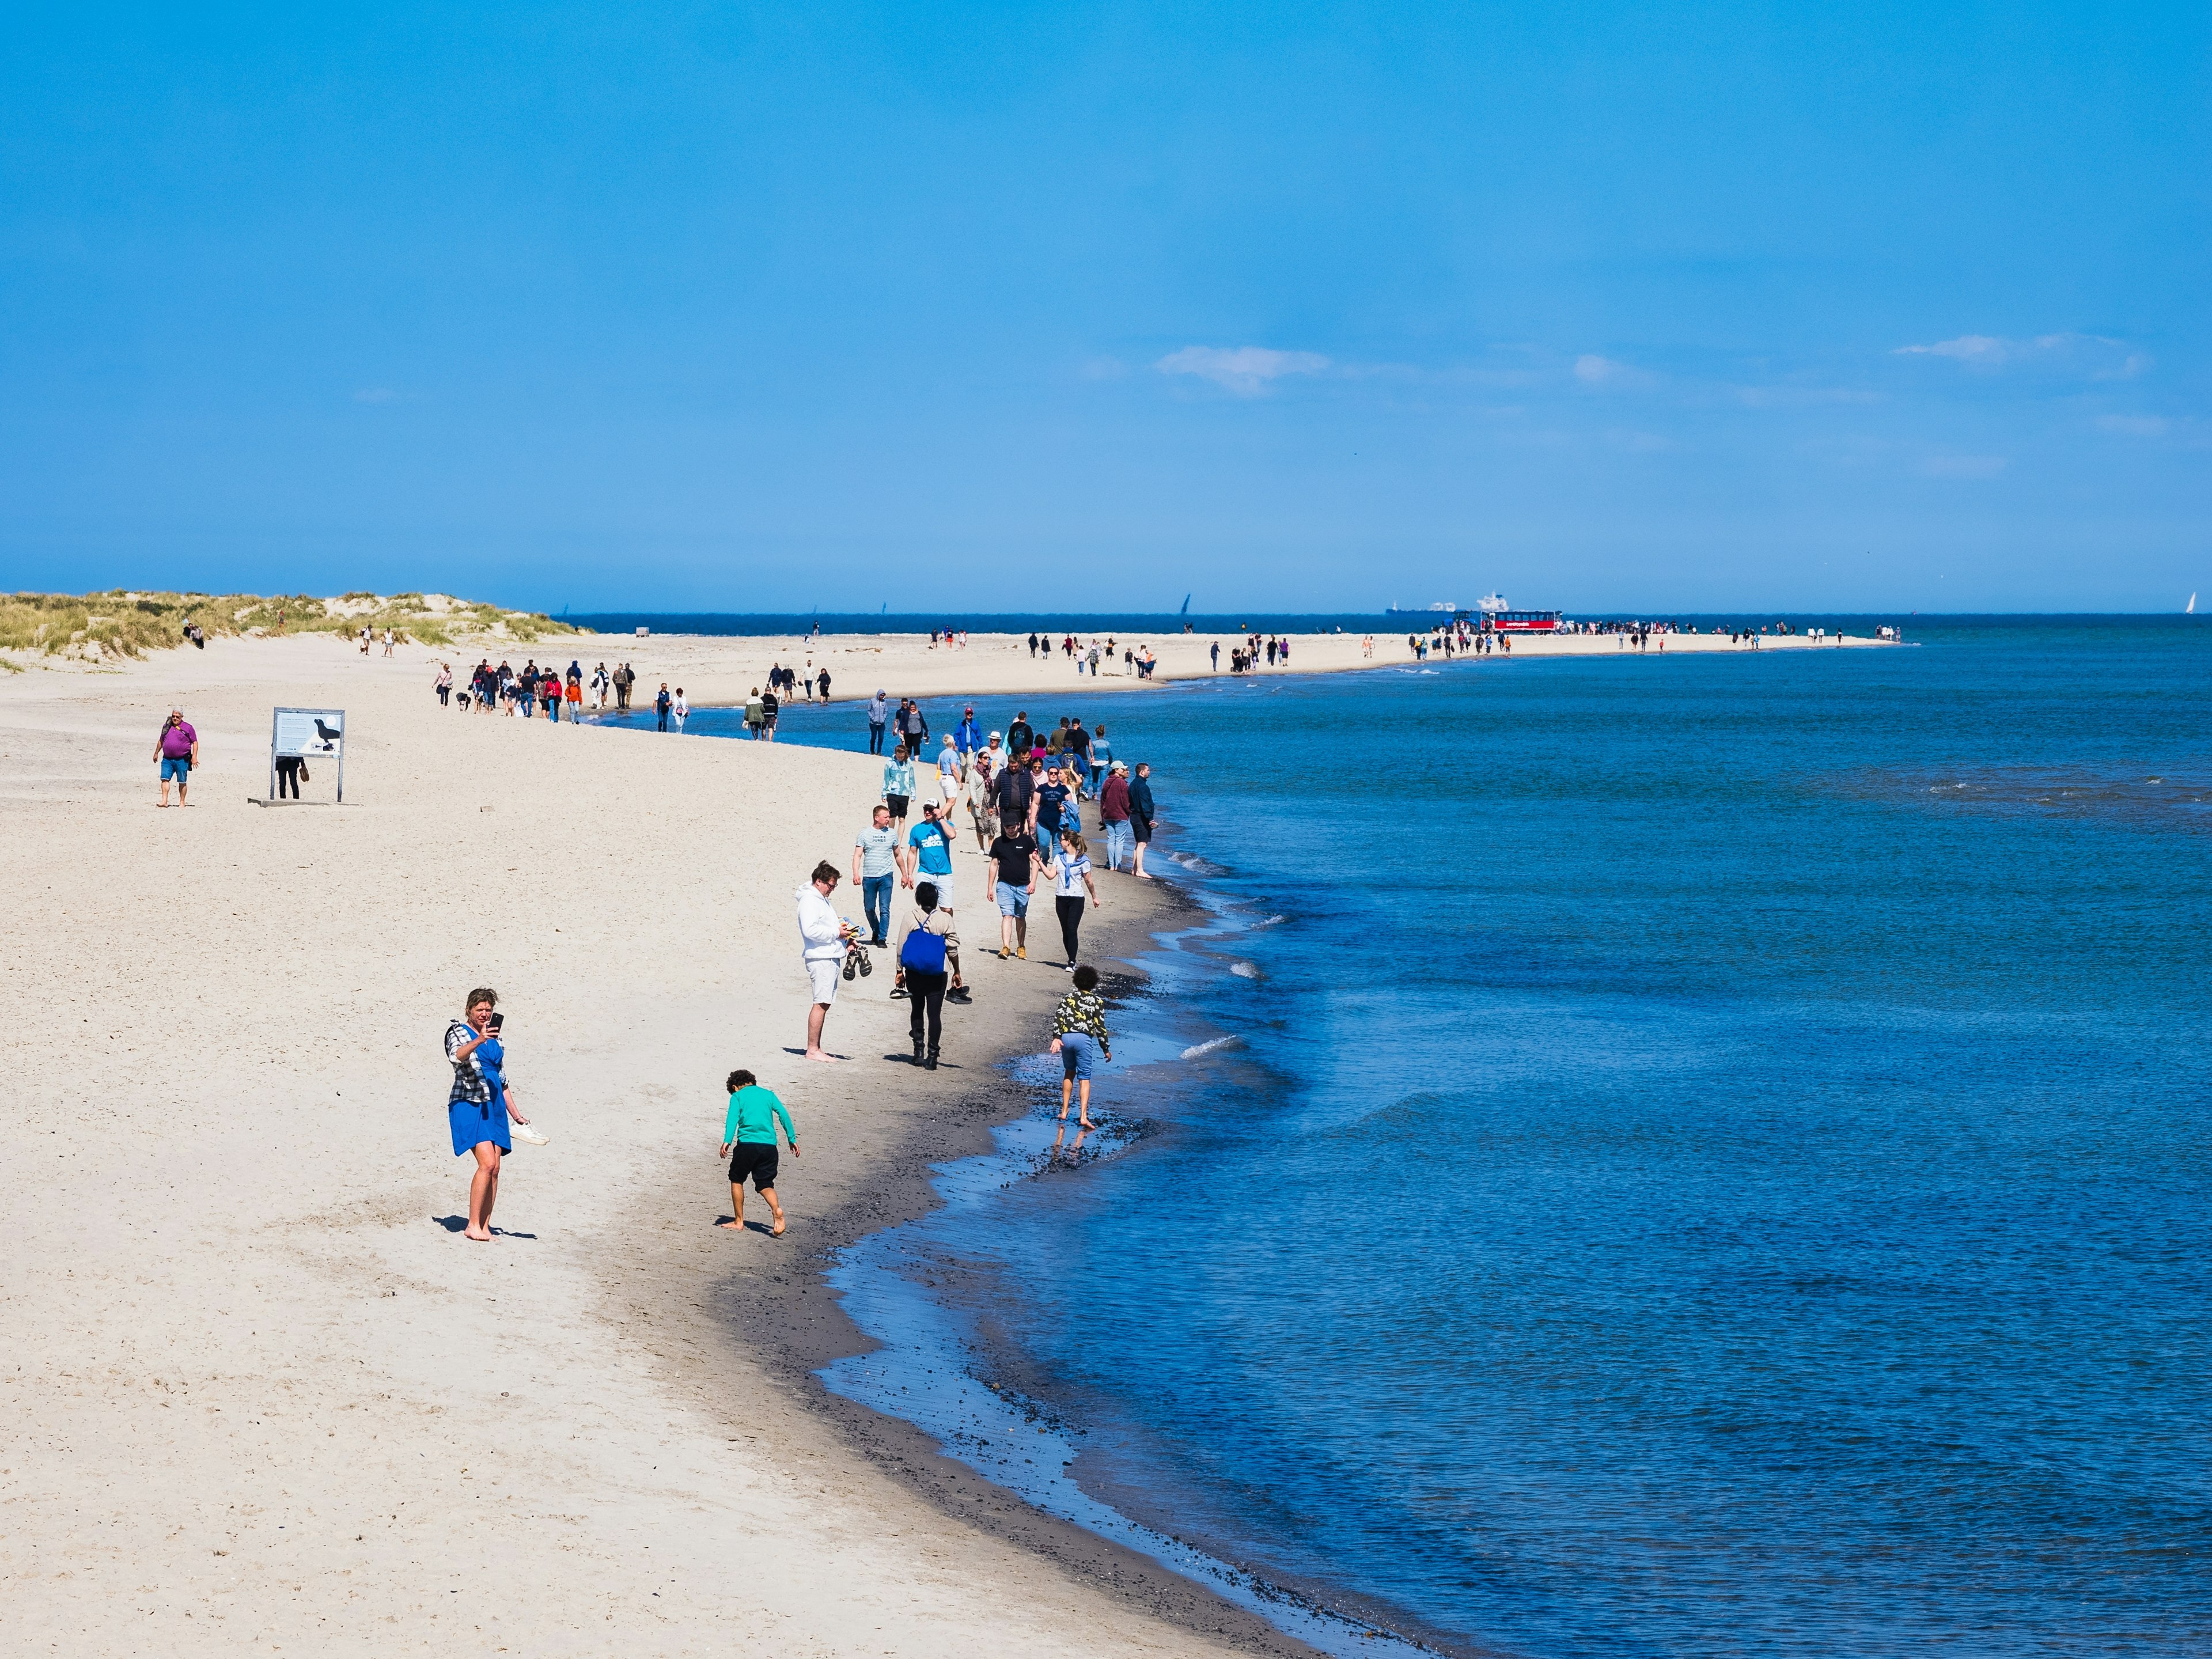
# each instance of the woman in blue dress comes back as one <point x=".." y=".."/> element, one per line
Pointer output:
<point x="480" y="1104"/>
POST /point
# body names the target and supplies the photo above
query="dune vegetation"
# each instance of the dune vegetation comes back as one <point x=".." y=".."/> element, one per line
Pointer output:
<point x="129" y="623"/>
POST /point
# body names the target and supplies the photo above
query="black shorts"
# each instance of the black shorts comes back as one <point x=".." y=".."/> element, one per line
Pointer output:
<point x="898" y="805"/>
<point x="749" y="1158"/>
<point x="1143" y="830"/>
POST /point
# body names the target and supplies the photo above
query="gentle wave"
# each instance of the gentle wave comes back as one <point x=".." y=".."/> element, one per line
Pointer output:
<point x="1243" y="971"/>
<point x="1213" y="1046"/>
<point x="1197" y="866"/>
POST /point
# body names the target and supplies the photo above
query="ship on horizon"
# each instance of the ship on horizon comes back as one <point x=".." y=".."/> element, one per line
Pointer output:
<point x="1491" y="605"/>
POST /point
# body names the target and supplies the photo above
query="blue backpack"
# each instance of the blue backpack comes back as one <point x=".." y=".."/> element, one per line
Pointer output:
<point x="923" y="952"/>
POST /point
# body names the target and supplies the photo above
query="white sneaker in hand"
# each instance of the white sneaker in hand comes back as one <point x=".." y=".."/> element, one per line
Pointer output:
<point x="529" y="1132"/>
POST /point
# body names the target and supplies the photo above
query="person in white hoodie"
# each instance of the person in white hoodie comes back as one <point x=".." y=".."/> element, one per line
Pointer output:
<point x="824" y="933"/>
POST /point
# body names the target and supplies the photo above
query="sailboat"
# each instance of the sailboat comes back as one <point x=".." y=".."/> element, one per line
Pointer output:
<point x="2190" y="609"/>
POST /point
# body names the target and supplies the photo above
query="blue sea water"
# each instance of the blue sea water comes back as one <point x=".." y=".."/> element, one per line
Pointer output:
<point x="1709" y="1160"/>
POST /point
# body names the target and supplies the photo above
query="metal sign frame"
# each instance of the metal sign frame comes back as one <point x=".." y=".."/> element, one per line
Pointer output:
<point x="276" y="722"/>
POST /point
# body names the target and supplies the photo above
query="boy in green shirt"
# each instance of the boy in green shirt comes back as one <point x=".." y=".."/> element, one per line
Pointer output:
<point x="749" y="1142"/>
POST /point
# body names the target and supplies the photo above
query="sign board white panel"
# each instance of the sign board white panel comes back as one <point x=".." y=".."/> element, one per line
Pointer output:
<point x="317" y="732"/>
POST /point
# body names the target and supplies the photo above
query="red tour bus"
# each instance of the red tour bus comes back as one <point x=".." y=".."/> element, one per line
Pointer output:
<point x="1523" y="622"/>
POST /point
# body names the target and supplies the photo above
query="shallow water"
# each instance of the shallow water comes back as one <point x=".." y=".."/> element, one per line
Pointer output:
<point x="1709" y="1164"/>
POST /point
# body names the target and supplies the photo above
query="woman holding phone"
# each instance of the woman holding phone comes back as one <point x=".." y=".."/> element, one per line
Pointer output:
<point x="481" y="1103"/>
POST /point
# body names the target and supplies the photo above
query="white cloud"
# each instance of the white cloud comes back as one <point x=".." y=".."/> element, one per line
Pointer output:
<point x="1244" y="371"/>
<point x="2134" y="426"/>
<point x="1976" y="350"/>
<point x="2094" y="355"/>
<point x="1964" y="466"/>
<point x="1593" y="370"/>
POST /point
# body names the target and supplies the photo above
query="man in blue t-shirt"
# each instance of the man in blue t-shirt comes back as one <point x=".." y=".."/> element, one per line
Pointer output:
<point x="929" y="855"/>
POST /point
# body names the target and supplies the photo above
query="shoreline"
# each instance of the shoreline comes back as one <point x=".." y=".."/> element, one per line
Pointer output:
<point x="1183" y="923"/>
<point x="812" y="1331"/>
<point x="961" y="1127"/>
<point x="718" y="671"/>
<point x="795" y="1321"/>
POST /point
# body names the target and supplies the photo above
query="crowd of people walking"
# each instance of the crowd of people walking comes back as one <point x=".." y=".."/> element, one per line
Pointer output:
<point x="1024" y="792"/>
<point x="530" y="691"/>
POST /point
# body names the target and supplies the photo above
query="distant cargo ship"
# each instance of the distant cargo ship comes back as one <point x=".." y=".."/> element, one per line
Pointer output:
<point x="1493" y="610"/>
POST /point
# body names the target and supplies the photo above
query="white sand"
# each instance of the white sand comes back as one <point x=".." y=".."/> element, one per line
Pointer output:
<point x="723" y="671"/>
<point x="257" y="1397"/>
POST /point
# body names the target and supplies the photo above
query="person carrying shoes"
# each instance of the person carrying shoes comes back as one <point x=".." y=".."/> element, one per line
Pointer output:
<point x="929" y="955"/>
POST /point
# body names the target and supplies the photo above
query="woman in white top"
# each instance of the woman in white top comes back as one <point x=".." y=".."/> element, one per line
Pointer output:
<point x="679" y="708"/>
<point x="1071" y="879"/>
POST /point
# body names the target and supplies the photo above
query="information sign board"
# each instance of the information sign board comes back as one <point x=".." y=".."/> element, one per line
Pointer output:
<point x="308" y="734"/>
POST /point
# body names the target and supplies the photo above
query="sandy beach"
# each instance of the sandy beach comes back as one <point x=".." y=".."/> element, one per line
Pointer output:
<point x="262" y="1395"/>
<point x="713" y="670"/>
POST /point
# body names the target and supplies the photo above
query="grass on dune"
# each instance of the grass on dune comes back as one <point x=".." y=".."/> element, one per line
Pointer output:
<point x="125" y="623"/>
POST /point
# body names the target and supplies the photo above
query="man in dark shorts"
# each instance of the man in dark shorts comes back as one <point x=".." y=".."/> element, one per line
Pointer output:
<point x="1020" y="738"/>
<point x="749" y="1142"/>
<point x="1015" y="793"/>
<point x="1014" y="854"/>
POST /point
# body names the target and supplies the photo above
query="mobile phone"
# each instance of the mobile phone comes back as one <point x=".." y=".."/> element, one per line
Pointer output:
<point x="496" y="1021"/>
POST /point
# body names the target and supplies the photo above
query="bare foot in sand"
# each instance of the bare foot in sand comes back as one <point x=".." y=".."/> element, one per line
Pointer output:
<point x="484" y="1237"/>
<point x="823" y="1055"/>
<point x="776" y="1231"/>
<point x="739" y="1226"/>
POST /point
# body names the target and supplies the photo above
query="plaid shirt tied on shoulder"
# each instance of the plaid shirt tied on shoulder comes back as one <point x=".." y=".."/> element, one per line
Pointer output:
<point x="470" y="1083"/>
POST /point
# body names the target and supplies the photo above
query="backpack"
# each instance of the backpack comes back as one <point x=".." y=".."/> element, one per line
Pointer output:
<point x="923" y="952"/>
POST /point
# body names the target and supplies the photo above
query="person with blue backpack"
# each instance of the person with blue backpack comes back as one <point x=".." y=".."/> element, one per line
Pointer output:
<point x="928" y="857"/>
<point x="928" y="956"/>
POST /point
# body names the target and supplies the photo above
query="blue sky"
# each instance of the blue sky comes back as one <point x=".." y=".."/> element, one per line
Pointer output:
<point x="959" y="309"/>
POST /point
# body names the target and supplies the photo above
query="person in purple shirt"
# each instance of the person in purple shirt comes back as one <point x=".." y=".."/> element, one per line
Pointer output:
<point x="178" y="749"/>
